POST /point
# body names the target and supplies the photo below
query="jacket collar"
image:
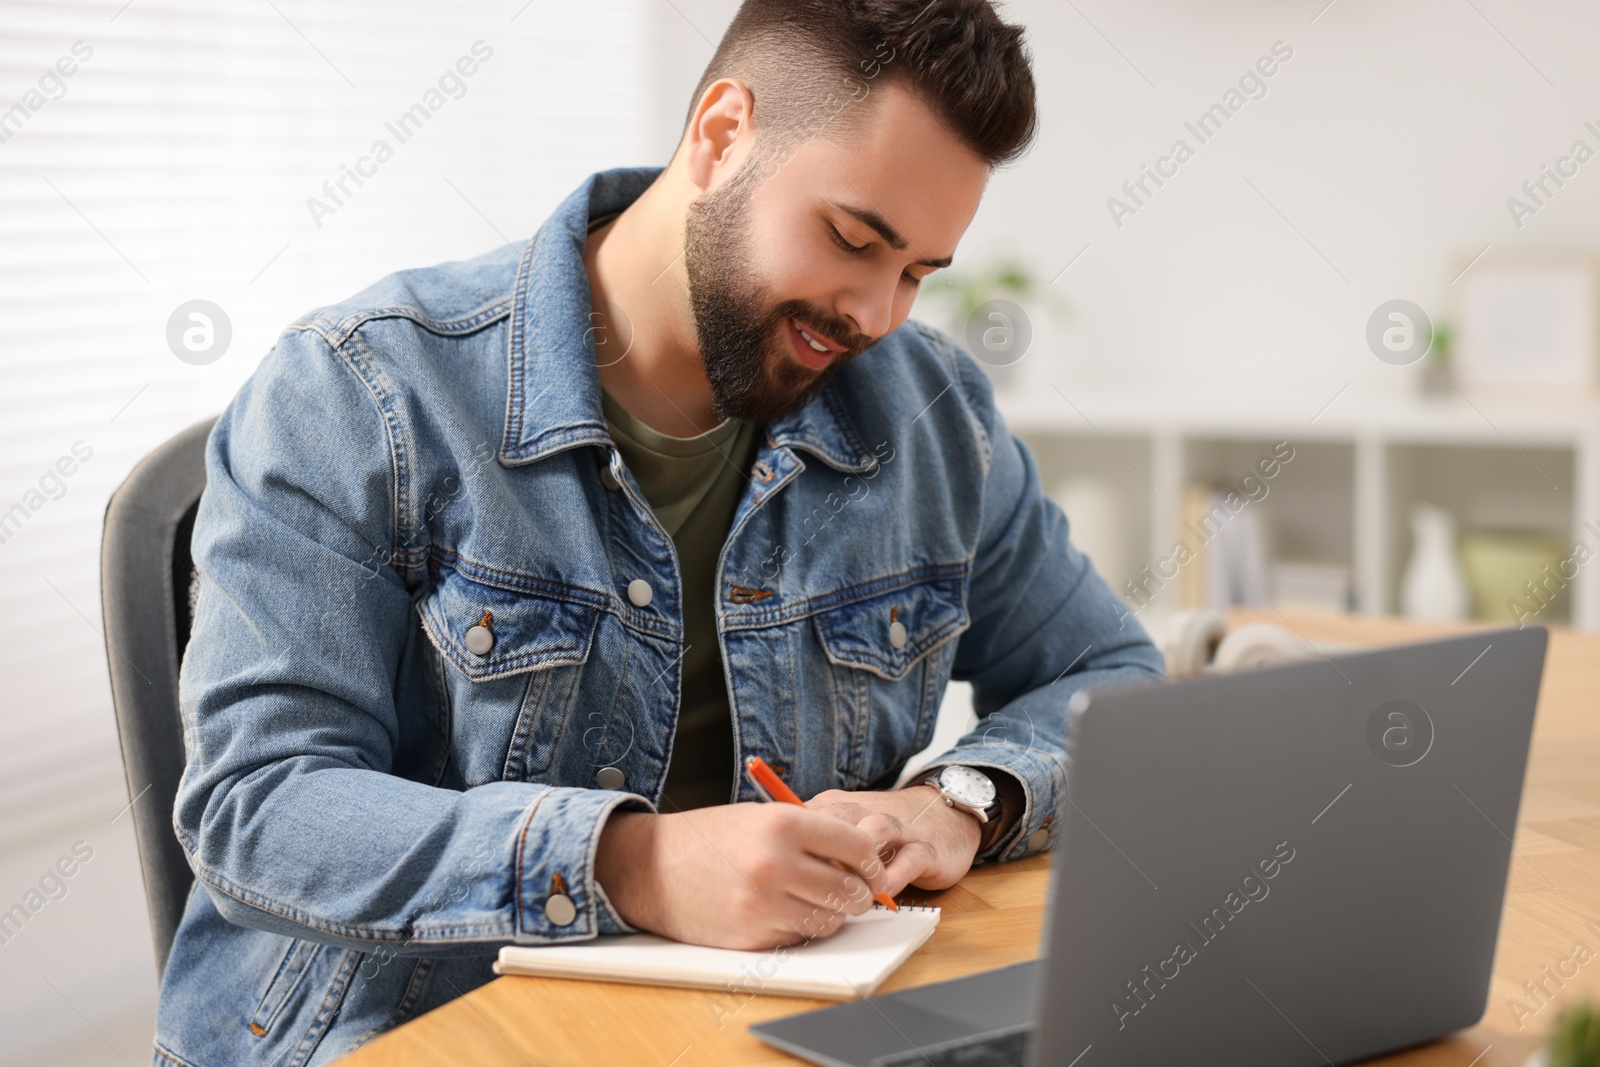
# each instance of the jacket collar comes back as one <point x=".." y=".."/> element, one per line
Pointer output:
<point x="553" y="389"/>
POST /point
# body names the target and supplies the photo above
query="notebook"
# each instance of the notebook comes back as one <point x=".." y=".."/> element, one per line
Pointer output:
<point x="852" y="961"/>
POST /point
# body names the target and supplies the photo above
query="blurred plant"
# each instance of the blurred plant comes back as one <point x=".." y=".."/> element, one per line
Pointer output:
<point x="1575" y="1041"/>
<point x="1443" y="337"/>
<point x="1436" y="367"/>
<point x="963" y="292"/>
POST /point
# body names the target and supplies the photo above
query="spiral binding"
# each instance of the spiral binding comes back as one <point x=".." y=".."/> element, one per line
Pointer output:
<point x="909" y="907"/>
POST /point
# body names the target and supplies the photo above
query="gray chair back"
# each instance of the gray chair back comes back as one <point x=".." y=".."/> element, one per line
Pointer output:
<point x="147" y="589"/>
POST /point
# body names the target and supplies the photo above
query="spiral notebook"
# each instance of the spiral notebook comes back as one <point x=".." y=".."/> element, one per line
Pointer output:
<point x="853" y="961"/>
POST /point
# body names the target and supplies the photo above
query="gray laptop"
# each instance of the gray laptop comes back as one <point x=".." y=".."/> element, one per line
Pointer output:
<point x="1302" y="865"/>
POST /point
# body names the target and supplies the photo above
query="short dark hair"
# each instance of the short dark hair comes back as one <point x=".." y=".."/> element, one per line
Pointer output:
<point x="810" y="63"/>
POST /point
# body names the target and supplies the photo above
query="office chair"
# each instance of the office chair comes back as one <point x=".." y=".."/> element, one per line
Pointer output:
<point x="147" y="592"/>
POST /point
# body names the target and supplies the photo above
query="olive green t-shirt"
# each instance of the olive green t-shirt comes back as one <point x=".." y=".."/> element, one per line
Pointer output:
<point x="693" y="485"/>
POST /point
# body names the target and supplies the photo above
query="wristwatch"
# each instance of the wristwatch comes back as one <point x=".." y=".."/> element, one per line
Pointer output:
<point x="966" y="788"/>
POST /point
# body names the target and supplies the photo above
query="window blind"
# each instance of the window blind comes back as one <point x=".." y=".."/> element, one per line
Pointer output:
<point x="198" y="151"/>
<point x="157" y="152"/>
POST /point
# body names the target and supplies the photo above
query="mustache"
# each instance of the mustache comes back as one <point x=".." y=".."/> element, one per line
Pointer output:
<point x="822" y="325"/>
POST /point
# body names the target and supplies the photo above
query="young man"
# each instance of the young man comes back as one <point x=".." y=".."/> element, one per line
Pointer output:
<point x="506" y="565"/>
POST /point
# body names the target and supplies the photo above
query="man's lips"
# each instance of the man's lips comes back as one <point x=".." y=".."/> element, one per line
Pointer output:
<point x="803" y="350"/>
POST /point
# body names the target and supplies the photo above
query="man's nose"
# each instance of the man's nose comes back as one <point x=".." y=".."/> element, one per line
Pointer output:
<point x="870" y="314"/>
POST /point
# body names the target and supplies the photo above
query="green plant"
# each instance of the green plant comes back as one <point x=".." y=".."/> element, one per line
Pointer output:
<point x="1001" y="277"/>
<point x="1443" y="337"/>
<point x="1575" y="1041"/>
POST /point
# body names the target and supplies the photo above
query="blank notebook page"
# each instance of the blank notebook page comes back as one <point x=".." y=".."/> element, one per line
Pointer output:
<point x="853" y="961"/>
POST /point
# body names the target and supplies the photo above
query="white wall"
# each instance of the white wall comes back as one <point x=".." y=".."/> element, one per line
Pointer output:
<point x="683" y="35"/>
<point x="1391" y="138"/>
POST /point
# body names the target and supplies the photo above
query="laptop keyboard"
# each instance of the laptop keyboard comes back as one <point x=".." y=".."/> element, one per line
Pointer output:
<point x="991" y="1050"/>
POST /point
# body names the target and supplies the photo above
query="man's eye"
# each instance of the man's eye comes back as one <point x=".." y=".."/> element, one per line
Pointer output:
<point x="839" y="240"/>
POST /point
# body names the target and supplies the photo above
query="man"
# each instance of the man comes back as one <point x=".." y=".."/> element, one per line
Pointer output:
<point x="507" y="565"/>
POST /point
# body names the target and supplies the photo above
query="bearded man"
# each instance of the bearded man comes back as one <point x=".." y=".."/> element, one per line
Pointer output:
<point x="507" y="565"/>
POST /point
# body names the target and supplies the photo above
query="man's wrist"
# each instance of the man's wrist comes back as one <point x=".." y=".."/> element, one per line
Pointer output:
<point x="622" y="860"/>
<point x="1008" y="810"/>
<point x="930" y="806"/>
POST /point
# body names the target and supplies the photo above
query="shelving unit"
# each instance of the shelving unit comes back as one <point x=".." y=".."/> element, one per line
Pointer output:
<point x="1359" y="466"/>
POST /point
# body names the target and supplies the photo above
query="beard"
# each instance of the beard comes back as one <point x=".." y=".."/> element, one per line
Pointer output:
<point x="742" y="331"/>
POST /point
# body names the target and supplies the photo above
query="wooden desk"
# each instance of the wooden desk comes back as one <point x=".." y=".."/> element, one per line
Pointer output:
<point x="993" y="918"/>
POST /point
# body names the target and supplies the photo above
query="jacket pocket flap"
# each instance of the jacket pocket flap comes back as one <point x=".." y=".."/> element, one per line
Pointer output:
<point x="889" y="632"/>
<point x="527" y="631"/>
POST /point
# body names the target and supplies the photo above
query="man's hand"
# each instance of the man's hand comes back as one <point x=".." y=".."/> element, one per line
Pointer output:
<point x="926" y="842"/>
<point x="746" y="876"/>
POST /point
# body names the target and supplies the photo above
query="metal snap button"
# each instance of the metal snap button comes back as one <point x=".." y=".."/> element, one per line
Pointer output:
<point x="607" y="478"/>
<point x="1038" y="840"/>
<point x="897" y="635"/>
<point x="609" y="778"/>
<point x="639" y="592"/>
<point x="762" y="471"/>
<point x="480" y="637"/>
<point x="560" y="909"/>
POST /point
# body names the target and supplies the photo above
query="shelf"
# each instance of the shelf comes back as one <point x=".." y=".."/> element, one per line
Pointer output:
<point x="1450" y="419"/>
<point x="1119" y="462"/>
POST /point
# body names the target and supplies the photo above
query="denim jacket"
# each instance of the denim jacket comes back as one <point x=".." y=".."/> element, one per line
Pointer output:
<point x="438" y="633"/>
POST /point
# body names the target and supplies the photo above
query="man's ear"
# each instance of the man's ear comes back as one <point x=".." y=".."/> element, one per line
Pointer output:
<point x="721" y="132"/>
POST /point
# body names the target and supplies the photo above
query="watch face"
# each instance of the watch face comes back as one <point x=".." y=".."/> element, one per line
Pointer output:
<point x="968" y="785"/>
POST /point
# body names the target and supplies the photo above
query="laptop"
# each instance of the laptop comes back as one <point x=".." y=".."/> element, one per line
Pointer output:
<point x="1300" y="865"/>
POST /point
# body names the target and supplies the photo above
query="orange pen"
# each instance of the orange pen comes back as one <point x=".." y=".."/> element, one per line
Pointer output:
<point x="771" y="787"/>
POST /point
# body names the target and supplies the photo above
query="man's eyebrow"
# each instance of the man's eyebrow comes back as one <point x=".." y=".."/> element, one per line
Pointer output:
<point x="895" y="240"/>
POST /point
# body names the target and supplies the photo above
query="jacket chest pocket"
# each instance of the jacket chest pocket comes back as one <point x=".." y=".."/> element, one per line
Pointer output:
<point x="889" y="657"/>
<point x="512" y="657"/>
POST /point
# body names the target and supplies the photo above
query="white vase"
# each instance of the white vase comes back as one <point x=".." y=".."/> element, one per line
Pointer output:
<point x="1433" y="586"/>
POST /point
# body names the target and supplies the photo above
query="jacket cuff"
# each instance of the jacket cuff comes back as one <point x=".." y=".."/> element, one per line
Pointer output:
<point x="1043" y="787"/>
<point x="611" y="921"/>
<point x="557" y="896"/>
